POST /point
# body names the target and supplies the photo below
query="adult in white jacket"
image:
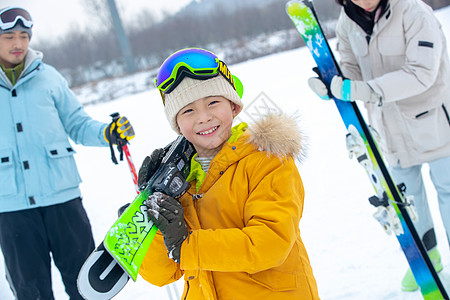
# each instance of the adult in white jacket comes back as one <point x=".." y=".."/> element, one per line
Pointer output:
<point x="41" y="211"/>
<point x="394" y="57"/>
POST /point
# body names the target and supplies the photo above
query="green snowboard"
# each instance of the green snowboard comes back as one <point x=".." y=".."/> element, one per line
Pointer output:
<point x="131" y="235"/>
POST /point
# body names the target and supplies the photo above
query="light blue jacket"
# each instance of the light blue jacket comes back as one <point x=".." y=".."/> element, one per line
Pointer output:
<point x="37" y="116"/>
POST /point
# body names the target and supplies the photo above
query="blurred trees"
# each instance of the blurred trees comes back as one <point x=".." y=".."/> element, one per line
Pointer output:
<point x="152" y="41"/>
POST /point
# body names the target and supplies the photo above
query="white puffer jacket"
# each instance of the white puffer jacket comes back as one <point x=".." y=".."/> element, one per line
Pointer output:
<point x="407" y="63"/>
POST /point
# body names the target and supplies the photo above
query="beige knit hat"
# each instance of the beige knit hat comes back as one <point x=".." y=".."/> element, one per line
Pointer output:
<point x="190" y="90"/>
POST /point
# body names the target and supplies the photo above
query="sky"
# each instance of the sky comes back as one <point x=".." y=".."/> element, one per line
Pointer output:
<point x="55" y="17"/>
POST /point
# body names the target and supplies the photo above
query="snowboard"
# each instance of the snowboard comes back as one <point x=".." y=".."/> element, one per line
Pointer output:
<point x="394" y="208"/>
<point x="120" y="255"/>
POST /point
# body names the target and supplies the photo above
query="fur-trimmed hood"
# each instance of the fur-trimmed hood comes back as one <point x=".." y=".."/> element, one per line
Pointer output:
<point x="278" y="135"/>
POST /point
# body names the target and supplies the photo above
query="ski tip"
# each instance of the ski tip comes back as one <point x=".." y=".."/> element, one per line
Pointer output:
<point x="294" y="7"/>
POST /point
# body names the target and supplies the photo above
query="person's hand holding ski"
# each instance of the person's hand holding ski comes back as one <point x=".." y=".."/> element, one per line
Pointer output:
<point x="343" y="89"/>
<point x="167" y="215"/>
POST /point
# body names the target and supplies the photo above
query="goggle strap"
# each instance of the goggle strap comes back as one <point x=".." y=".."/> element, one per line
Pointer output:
<point x="163" y="97"/>
<point x="223" y="69"/>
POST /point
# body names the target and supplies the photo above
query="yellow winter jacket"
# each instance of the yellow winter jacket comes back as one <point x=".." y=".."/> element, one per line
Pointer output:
<point x="244" y="240"/>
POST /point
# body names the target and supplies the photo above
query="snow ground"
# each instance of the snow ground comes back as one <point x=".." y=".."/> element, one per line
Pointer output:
<point x="351" y="256"/>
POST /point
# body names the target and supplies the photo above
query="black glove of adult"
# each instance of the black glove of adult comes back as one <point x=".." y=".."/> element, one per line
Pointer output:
<point x="167" y="214"/>
<point x="149" y="166"/>
<point x="119" y="131"/>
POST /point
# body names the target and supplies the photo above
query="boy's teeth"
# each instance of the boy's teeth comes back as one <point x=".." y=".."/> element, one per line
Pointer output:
<point x="209" y="131"/>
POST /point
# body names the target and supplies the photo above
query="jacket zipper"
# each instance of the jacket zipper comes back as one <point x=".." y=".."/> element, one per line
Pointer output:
<point x="196" y="197"/>
<point x="14" y="77"/>
<point x="187" y="290"/>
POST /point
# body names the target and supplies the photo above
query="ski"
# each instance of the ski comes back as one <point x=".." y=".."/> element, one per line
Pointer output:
<point x="393" y="208"/>
<point x="118" y="258"/>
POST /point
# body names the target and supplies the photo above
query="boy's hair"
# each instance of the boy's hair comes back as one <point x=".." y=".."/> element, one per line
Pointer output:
<point x="190" y="90"/>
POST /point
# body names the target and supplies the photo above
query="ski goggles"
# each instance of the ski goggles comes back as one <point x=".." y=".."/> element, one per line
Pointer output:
<point x="9" y="17"/>
<point x="195" y="63"/>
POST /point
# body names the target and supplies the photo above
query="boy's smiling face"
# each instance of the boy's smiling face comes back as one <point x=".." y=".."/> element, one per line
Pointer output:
<point x="207" y="122"/>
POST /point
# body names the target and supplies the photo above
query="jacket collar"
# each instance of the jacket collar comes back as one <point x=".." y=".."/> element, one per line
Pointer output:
<point x="31" y="62"/>
<point x="366" y="20"/>
<point x="13" y="73"/>
<point x="275" y="134"/>
<point x="197" y="172"/>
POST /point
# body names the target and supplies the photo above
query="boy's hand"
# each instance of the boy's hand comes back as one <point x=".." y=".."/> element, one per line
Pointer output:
<point x="149" y="166"/>
<point x="167" y="214"/>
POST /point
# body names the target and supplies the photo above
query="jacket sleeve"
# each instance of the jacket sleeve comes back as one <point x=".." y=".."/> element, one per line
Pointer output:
<point x="423" y="52"/>
<point x="81" y="128"/>
<point x="157" y="268"/>
<point x="270" y="228"/>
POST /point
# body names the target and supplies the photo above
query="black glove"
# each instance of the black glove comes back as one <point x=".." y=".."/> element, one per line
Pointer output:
<point x="149" y="166"/>
<point x="119" y="131"/>
<point x="167" y="215"/>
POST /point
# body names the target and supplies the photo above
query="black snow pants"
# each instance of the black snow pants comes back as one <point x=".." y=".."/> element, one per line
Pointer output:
<point x="28" y="237"/>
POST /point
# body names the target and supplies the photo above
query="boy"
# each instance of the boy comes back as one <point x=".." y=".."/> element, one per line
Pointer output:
<point x="235" y="233"/>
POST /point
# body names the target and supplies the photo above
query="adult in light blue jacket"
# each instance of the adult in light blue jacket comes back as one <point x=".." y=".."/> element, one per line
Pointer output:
<point x="39" y="114"/>
<point x="40" y="200"/>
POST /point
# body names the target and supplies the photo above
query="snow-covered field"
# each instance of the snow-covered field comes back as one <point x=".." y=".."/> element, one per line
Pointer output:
<point x="351" y="256"/>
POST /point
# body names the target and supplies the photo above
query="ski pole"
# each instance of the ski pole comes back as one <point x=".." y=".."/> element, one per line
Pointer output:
<point x="131" y="166"/>
<point x="123" y="148"/>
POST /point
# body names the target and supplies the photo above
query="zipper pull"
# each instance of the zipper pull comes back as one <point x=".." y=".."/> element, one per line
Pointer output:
<point x="197" y="196"/>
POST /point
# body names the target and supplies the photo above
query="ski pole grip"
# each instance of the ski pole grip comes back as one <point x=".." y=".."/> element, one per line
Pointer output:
<point x="115" y="116"/>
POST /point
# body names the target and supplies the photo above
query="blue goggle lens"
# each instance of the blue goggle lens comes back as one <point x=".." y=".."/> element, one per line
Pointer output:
<point x="193" y="61"/>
